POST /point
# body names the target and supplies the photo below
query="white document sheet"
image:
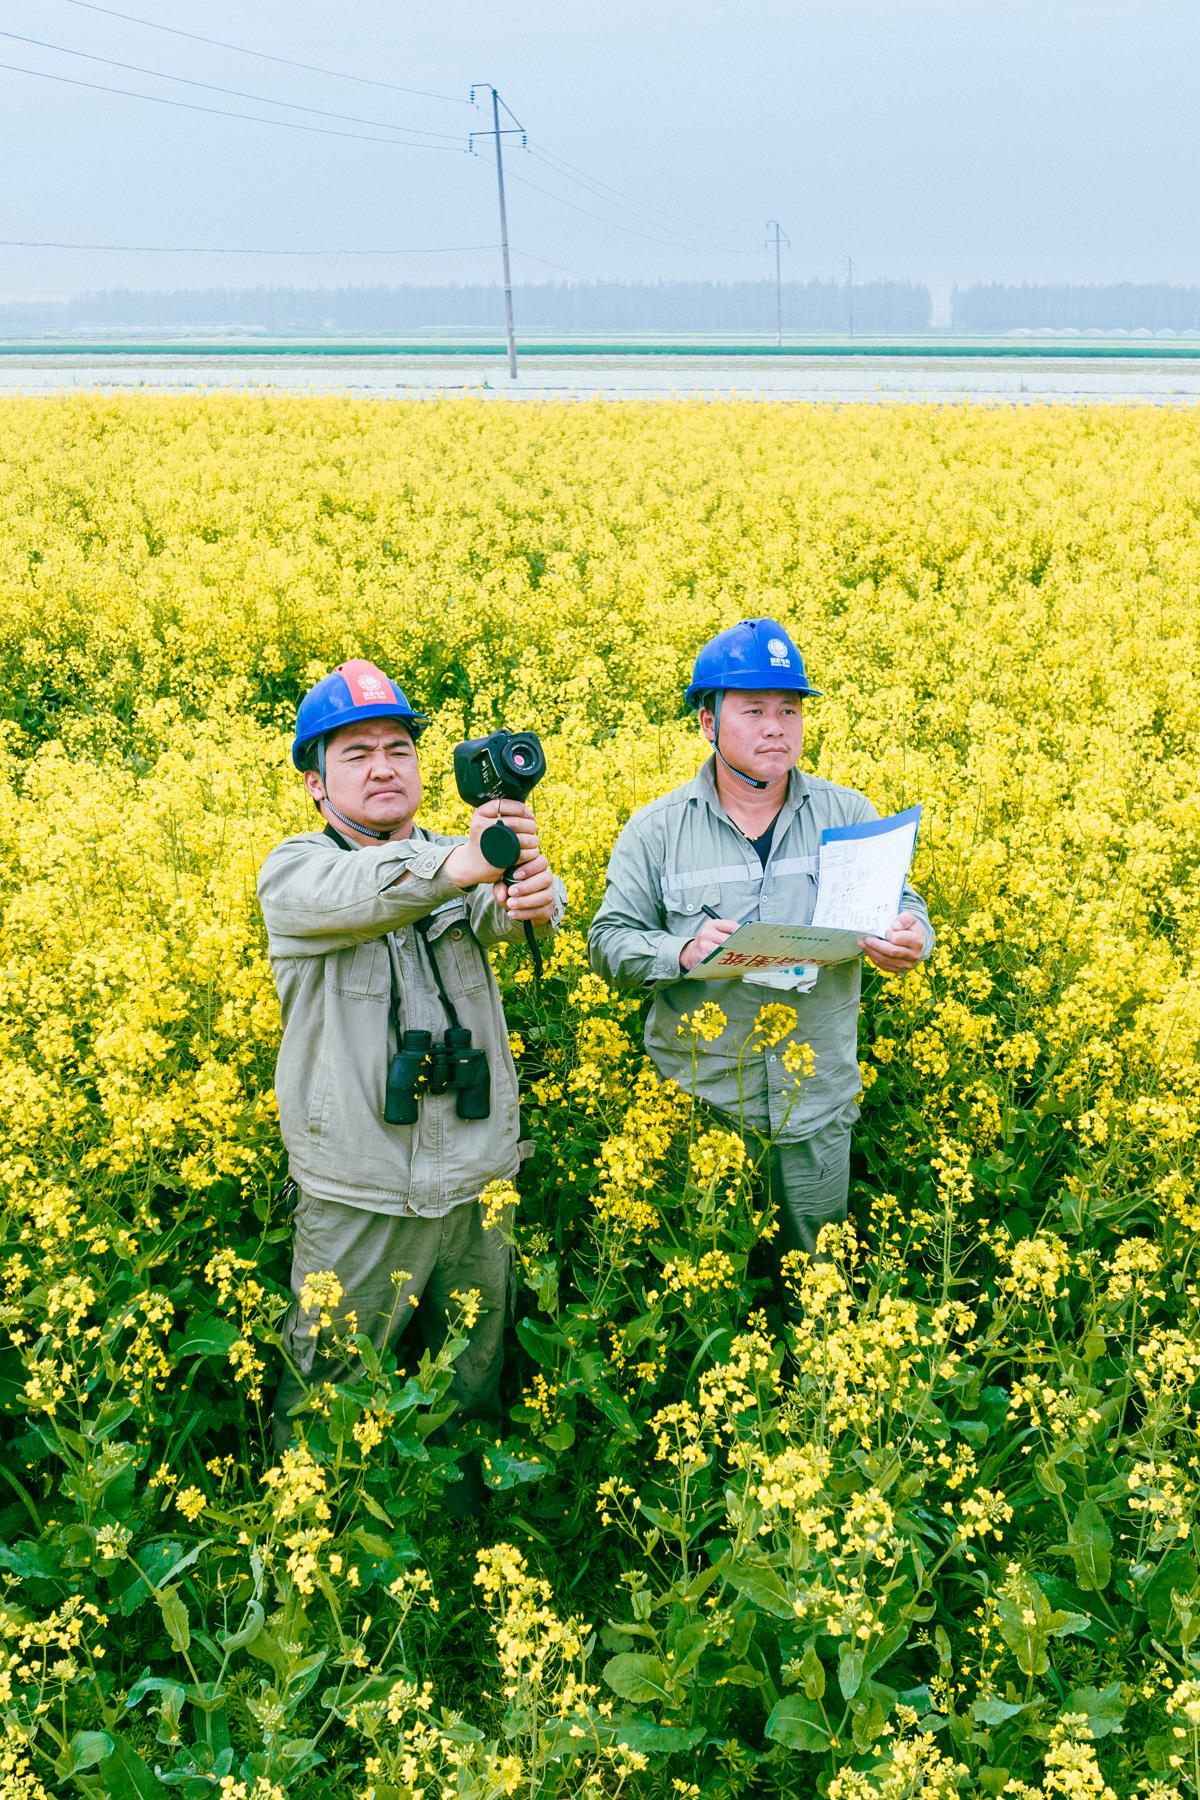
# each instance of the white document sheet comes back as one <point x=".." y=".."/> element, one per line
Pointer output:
<point x="862" y="872"/>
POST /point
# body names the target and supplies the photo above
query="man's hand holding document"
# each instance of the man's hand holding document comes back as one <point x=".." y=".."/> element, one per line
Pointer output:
<point x="861" y="876"/>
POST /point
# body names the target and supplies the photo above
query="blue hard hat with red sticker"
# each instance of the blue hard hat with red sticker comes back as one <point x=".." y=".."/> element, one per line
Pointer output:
<point x="754" y="655"/>
<point x="355" y="690"/>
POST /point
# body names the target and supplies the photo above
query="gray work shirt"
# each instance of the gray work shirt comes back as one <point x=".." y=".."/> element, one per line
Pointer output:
<point x="682" y="853"/>
<point x="337" y="926"/>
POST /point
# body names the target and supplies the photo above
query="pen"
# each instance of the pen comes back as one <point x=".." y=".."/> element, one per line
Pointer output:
<point x="709" y="911"/>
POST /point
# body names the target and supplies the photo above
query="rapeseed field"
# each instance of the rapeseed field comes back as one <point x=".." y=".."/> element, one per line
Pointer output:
<point x="949" y="1543"/>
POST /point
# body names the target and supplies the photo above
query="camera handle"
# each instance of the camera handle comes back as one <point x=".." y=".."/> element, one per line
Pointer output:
<point x="502" y="847"/>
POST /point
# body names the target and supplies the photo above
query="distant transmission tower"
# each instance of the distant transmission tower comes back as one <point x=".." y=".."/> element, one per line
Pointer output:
<point x="850" y="293"/>
<point x="773" y="225"/>
<point x="516" y="129"/>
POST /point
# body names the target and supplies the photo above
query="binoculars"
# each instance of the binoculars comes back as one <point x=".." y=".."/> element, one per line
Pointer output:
<point x="421" y="1067"/>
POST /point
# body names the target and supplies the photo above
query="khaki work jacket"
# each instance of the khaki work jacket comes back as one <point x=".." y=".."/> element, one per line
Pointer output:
<point x="338" y="924"/>
<point x="682" y="853"/>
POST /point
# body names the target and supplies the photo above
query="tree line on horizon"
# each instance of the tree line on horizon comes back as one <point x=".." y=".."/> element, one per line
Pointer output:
<point x="1033" y="306"/>
<point x="671" y="306"/>
<point x="869" y="307"/>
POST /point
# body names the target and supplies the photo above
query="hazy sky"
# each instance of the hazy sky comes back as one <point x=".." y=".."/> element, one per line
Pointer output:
<point x="949" y="140"/>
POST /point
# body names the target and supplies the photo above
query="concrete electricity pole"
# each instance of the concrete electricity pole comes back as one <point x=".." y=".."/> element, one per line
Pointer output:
<point x="515" y="130"/>
<point x="773" y="225"/>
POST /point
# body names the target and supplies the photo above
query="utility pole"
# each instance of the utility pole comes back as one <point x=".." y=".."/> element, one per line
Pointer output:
<point x="773" y="225"/>
<point x="515" y="130"/>
<point x="850" y="292"/>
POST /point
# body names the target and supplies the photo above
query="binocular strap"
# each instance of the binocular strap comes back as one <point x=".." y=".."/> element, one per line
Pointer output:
<point x="422" y="930"/>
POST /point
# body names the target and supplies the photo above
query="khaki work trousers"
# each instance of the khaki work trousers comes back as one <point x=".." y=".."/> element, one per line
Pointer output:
<point x="809" y="1181"/>
<point x="435" y="1258"/>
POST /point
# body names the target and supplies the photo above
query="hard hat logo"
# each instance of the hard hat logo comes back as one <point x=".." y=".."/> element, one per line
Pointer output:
<point x="778" y="648"/>
<point x="368" y="685"/>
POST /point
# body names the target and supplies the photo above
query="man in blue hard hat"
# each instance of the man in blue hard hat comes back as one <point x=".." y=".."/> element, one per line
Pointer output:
<point x="741" y="842"/>
<point x="378" y="930"/>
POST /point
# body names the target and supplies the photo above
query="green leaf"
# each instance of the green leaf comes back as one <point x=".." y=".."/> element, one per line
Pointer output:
<point x="150" y="1684"/>
<point x="975" y="1431"/>
<point x="812" y="1673"/>
<point x="998" y="1712"/>
<point x="1069" y="1624"/>
<point x="1047" y="1476"/>
<point x="850" y="1669"/>
<point x="885" y="1647"/>
<point x="1176" y="1573"/>
<point x="175" y="1617"/>
<point x="650" y="1738"/>
<point x="267" y="1648"/>
<point x="1103" y="1706"/>
<point x="545" y="1345"/>
<point x="168" y="1716"/>
<point x="798" y="1724"/>
<point x="252" y="1624"/>
<point x="758" y="1583"/>
<point x="376" y="1511"/>
<point x="1161" y="1750"/>
<point x="501" y="1469"/>
<point x="637" y="1677"/>
<point x="84" y="1751"/>
<point x="867" y="1720"/>
<point x="208" y="1335"/>
<point x="32" y="1562"/>
<point x="1090" y="1540"/>
<point x="373" y="1544"/>
<point x="126" y="1776"/>
<point x="614" y="1410"/>
<point x="703" y="1579"/>
<point x="158" y="1563"/>
<point x="1023" y="1626"/>
<point x="370" y="1688"/>
<point x="413" y="1393"/>
<point x="304" y="1675"/>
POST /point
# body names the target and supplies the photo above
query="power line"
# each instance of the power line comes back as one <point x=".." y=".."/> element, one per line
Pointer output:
<point x="214" y="87"/>
<point x="617" y="224"/>
<point x="265" y="55"/>
<point x="222" y="112"/>
<point x="261" y="250"/>
<point x="547" y="264"/>
<point x="234" y="250"/>
<point x="695" y="242"/>
<point x="695" y="224"/>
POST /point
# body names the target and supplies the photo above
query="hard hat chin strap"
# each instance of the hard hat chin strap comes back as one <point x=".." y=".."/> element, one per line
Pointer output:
<point x="380" y="837"/>
<point x="740" y="773"/>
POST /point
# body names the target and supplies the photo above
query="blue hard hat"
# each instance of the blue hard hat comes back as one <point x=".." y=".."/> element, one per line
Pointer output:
<point x="355" y="690"/>
<point x="755" y="654"/>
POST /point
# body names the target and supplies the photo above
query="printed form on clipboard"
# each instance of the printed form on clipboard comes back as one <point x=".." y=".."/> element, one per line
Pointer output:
<point x="861" y="875"/>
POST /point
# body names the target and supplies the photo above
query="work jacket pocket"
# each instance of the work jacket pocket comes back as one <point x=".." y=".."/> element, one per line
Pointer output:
<point x="463" y="965"/>
<point x="684" y="907"/>
<point x="361" y="972"/>
<point x="789" y="891"/>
